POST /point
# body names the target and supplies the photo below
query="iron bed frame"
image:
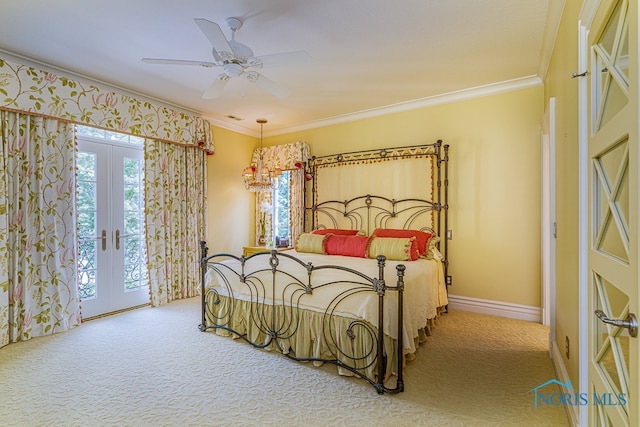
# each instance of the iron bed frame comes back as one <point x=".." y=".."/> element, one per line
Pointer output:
<point x="276" y="320"/>
<point x="279" y="326"/>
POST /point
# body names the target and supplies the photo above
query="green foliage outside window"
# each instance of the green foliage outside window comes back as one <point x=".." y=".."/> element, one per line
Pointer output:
<point x="282" y="204"/>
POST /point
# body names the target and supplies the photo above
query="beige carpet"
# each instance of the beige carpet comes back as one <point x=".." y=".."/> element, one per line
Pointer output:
<point x="153" y="367"/>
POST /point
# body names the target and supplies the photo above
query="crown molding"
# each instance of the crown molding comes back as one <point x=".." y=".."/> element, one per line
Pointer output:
<point x="476" y="92"/>
<point x="554" y="18"/>
<point x="235" y="127"/>
<point x="588" y="12"/>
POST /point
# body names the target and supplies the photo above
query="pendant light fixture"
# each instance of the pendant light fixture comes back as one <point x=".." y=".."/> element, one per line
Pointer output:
<point x="258" y="177"/>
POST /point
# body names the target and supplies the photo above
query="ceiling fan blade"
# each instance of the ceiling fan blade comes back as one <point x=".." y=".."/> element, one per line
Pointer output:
<point x="214" y="33"/>
<point x="216" y="87"/>
<point x="268" y="84"/>
<point x="284" y="59"/>
<point x="178" y="62"/>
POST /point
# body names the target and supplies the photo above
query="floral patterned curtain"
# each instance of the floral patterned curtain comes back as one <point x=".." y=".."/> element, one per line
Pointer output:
<point x="175" y="212"/>
<point x="38" y="290"/>
<point x="286" y="157"/>
<point x="43" y="93"/>
<point x="38" y="282"/>
<point x="296" y="211"/>
<point x="4" y="250"/>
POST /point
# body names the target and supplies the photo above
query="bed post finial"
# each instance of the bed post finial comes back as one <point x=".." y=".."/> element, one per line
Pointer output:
<point x="203" y="249"/>
<point x="380" y="286"/>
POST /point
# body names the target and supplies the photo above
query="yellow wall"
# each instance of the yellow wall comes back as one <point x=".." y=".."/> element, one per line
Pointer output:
<point x="559" y="85"/>
<point x="230" y="208"/>
<point x="494" y="183"/>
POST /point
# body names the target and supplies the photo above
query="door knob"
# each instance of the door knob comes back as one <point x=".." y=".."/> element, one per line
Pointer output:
<point x="631" y="322"/>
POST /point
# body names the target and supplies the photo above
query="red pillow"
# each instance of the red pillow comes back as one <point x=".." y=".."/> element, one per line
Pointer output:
<point x="336" y="231"/>
<point x="355" y="246"/>
<point x="421" y="242"/>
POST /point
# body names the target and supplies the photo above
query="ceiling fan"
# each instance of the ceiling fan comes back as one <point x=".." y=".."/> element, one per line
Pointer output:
<point x="236" y="59"/>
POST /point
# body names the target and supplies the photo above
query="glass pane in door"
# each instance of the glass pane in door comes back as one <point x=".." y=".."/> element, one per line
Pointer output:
<point x="608" y="38"/>
<point x="112" y="268"/>
<point x="611" y="201"/>
<point x="612" y="248"/>
<point x="135" y="256"/>
<point x="612" y="351"/>
<point x="611" y="75"/>
<point x="87" y="233"/>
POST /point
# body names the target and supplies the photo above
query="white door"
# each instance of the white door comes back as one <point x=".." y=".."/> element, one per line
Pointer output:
<point x="613" y="215"/>
<point x="112" y="269"/>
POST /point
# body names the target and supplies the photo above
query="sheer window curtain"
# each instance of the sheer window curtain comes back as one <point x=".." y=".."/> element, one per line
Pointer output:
<point x="38" y="277"/>
<point x="175" y="188"/>
<point x="264" y="212"/>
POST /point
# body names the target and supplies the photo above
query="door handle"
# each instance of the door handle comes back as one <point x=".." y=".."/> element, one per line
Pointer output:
<point x="631" y="322"/>
<point x="103" y="237"/>
<point x="117" y="239"/>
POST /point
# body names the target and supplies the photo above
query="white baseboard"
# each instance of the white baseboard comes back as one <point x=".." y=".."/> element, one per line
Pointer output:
<point x="563" y="376"/>
<point x="496" y="308"/>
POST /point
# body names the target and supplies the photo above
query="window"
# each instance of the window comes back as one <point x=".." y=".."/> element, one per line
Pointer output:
<point x="109" y="136"/>
<point x="281" y="210"/>
<point x="112" y="257"/>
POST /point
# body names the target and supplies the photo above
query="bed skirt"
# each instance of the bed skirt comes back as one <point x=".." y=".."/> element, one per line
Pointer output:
<point x="307" y="335"/>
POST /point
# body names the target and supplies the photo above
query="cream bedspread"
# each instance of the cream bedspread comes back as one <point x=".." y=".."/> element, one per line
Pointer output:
<point x="424" y="288"/>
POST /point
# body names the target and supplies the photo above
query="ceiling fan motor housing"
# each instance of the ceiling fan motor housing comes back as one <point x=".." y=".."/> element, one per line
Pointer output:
<point x="233" y="23"/>
<point x="241" y="51"/>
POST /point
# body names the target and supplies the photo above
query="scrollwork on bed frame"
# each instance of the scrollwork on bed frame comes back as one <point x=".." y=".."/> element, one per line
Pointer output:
<point x="358" y="347"/>
<point x="369" y="212"/>
<point x="275" y="321"/>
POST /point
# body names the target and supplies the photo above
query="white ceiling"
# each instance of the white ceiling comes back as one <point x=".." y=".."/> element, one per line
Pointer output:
<point x="367" y="55"/>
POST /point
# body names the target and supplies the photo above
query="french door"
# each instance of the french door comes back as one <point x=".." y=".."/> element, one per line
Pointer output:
<point x="613" y="215"/>
<point x="112" y="269"/>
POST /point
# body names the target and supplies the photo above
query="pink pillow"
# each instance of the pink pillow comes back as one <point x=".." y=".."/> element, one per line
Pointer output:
<point x="355" y="246"/>
<point x="336" y="231"/>
<point x="421" y="242"/>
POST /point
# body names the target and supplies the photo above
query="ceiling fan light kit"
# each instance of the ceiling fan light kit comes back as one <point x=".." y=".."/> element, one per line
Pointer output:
<point x="236" y="59"/>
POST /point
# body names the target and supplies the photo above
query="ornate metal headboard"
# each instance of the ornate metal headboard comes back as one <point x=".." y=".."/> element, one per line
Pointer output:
<point x="370" y="211"/>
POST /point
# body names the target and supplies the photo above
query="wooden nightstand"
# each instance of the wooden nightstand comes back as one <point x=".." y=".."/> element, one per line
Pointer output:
<point x="250" y="250"/>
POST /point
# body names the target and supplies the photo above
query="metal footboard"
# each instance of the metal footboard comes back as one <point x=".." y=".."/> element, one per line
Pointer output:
<point x="265" y="299"/>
